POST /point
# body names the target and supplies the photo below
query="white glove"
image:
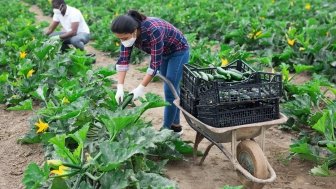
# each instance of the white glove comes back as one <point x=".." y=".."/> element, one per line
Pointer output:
<point x="138" y="92"/>
<point x="56" y="37"/>
<point x="120" y="93"/>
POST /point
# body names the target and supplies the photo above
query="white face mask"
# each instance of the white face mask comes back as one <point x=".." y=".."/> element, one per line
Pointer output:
<point x="56" y="11"/>
<point x="129" y="42"/>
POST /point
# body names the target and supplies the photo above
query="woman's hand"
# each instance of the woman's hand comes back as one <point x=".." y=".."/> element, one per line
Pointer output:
<point x="120" y="93"/>
<point x="138" y="92"/>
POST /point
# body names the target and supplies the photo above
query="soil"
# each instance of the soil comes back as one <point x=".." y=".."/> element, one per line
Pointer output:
<point x="216" y="172"/>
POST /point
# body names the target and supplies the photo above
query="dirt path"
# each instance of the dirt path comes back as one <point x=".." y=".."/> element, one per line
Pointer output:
<point x="216" y="171"/>
<point x="15" y="157"/>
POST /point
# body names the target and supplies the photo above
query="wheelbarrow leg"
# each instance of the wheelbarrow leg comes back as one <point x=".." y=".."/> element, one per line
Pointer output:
<point x="198" y="139"/>
<point x="206" y="153"/>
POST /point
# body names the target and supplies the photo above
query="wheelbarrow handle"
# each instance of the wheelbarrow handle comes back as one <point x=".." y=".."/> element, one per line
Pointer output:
<point x="170" y="85"/>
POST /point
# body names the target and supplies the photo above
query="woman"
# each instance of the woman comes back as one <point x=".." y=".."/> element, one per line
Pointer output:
<point x="168" y="49"/>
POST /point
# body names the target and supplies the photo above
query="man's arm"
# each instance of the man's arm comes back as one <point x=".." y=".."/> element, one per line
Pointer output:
<point x="52" y="27"/>
<point x="73" y="32"/>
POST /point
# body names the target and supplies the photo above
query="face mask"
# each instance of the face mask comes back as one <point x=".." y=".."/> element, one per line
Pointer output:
<point x="56" y="11"/>
<point x="129" y="42"/>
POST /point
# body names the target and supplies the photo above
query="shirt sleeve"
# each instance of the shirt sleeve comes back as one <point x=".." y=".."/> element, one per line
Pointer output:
<point x="55" y="18"/>
<point x="156" y="43"/>
<point x="124" y="58"/>
<point x="76" y="16"/>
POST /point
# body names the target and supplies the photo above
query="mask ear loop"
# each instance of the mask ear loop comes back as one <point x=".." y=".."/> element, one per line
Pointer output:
<point x="61" y="7"/>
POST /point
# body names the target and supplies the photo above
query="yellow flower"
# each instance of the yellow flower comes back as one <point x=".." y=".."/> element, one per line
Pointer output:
<point x="258" y="33"/>
<point x="65" y="100"/>
<point x="291" y="42"/>
<point x="170" y="5"/>
<point x="273" y="1"/>
<point x="262" y="17"/>
<point x="116" y="14"/>
<point x="23" y="55"/>
<point x="250" y="35"/>
<point x="62" y="170"/>
<point x="30" y="73"/>
<point x="301" y="49"/>
<point x="42" y="126"/>
<point x="117" y="44"/>
<point x="292" y="3"/>
<point x="225" y="62"/>
<point x="327" y="34"/>
<point x="308" y="6"/>
<point x="54" y="162"/>
<point x="49" y="1"/>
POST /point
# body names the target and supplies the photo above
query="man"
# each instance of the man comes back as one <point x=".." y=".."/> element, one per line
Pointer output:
<point x="75" y="31"/>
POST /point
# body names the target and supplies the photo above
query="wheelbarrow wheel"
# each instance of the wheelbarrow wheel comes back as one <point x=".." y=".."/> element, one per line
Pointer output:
<point x="251" y="157"/>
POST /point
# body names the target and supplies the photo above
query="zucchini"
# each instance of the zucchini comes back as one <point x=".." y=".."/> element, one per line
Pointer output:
<point x="196" y="74"/>
<point x="234" y="70"/>
<point x="126" y="101"/>
<point x="204" y="76"/>
<point x="219" y="77"/>
<point x="223" y="72"/>
<point x="210" y="77"/>
<point x="235" y="75"/>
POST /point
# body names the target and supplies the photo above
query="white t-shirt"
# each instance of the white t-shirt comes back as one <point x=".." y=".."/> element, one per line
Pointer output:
<point x="72" y="15"/>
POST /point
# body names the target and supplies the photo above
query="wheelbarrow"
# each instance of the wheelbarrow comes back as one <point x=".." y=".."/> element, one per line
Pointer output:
<point x="246" y="154"/>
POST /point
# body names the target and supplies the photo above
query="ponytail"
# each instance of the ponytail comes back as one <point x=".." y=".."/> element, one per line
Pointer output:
<point x="127" y="23"/>
<point x="136" y="15"/>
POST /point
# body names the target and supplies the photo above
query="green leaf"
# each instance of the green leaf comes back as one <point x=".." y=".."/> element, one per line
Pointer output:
<point x="304" y="150"/>
<point x="42" y="91"/>
<point x="115" y="124"/>
<point x="4" y="77"/>
<point x="301" y="68"/>
<point x="80" y="138"/>
<point x="118" y="179"/>
<point x="154" y="181"/>
<point x="23" y="105"/>
<point x="59" y="183"/>
<point x="285" y="72"/>
<point x="34" y="177"/>
<point x="42" y="53"/>
<point x="105" y="71"/>
<point x="84" y="185"/>
<point x="321" y="170"/>
<point x="115" y="153"/>
<point x="183" y="147"/>
<point x="30" y="138"/>
<point x="60" y="148"/>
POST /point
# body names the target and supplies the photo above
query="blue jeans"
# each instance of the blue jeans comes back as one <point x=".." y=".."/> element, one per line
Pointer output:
<point x="172" y="68"/>
<point x="77" y="41"/>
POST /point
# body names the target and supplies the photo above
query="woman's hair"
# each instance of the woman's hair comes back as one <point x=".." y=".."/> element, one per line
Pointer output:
<point x="127" y="23"/>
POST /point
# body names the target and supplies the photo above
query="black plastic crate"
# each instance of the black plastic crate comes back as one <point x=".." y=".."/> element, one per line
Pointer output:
<point x="188" y="101"/>
<point x="194" y="84"/>
<point x="239" y="114"/>
<point x="259" y="86"/>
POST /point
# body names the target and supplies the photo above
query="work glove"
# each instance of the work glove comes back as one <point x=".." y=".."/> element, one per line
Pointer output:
<point x="56" y="37"/>
<point x="120" y="93"/>
<point x="138" y="92"/>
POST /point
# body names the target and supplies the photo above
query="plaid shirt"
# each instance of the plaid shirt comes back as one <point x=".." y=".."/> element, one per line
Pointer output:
<point x="158" y="38"/>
